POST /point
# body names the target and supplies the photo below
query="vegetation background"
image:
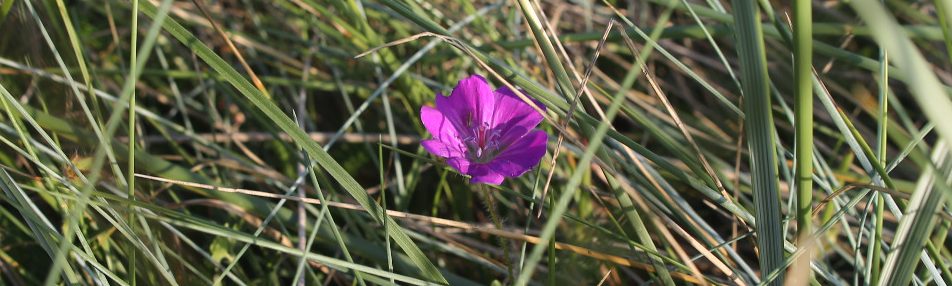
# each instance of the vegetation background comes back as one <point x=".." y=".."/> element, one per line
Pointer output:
<point x="241" y="142"/>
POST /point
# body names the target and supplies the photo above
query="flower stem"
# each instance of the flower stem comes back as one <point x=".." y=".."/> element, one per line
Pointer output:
<point x="491" y="207"/>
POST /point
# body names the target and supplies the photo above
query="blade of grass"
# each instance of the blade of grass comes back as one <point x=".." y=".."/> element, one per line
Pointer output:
<point x="231" y="45"/>
<point x="916" y="224"/>
<point x="943" y="10"/>
<point x="542" y="38"/>
<point x="759" y="125"/>
<point x="41" y="227"/>
<point x="298" y="275"/>
<point x="97" y="128"/>
<point x="572" y="106"/>
<point x="710" y="39"/>
<point x="803" y="94"/>
<point x="383" y="199"/>
<point x="131" y="168"/>
<point x="926" y="88"/>
<point x="931" y="97"/>
<point x="561" y="204"/>
<point x="402" y="198"/>
<point x="877" y="239"/>
<point x="111" y="125"/>
<point x="313" y="150"/>
<point x="5" y="9"/>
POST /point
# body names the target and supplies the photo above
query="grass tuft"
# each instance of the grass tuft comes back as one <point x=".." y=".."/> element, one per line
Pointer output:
<point x="278" y="142"/>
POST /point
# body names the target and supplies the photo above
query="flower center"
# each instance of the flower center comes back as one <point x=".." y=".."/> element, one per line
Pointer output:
<point x="483" y="145"/>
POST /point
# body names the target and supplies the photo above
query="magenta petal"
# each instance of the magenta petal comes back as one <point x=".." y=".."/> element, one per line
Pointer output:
<point x="461" y="164"/>
<point x="470" y="105"/>
<point x="521" y="156"/>
<point x="439" y="148"/>
<point x="439" y="125"/>
<point x="514" y="117"/>
<point x="485" y="174"/>
<point x="488" y="135"/>
<point x="511" y="110"/>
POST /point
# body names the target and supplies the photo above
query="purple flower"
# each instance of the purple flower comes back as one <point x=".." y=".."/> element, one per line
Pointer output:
<point x="483" y="133"/>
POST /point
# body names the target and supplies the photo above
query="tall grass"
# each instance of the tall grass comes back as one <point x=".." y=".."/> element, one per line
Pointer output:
<point x="240" y="142"/>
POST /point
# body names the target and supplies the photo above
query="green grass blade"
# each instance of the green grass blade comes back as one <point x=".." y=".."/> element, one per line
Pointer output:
<point x="759" y="122"/>
<point x="916" y="224"/>
<point x="548" y="50"/>
<point x="803" y="94"/>
<point x="97" y="128"/>
<point x="98" y="160"/>
<point x="341" y="242"/>
<point x="561" y="205"/>
<point x="943" y="11"/>
<point x="926" y="88"/>
<point x="313" y="150"/>
<point x="881" y="133"/>
<point x="131" y="165"/>
<point x="930" y="94"/>
<point x="41" y="227"/>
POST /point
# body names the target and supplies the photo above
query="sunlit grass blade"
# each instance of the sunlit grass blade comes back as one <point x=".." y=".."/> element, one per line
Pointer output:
<point x="929" y="93"/>
<point x="548" y="50"/>
<point x="916" y="225"/>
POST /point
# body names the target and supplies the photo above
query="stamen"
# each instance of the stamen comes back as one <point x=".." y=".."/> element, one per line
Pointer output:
<point x="483" y="144"/>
